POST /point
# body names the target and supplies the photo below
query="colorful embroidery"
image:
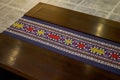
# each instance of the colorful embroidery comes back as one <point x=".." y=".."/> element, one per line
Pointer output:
<point x="68" y="41"/>
<point x="30" y="29"/>
<point x="97" y="51"/>
<point x="80" y="45"/>
<point x="18" y="25"/>
<point x="40" y="32"/>
<point x="71" y="43"/>
<point x="115" y="56"/>
<point x="53" y="36"/>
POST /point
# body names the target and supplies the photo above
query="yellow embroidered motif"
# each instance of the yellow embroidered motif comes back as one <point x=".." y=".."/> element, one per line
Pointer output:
<point x="18" y="25"/>
<point x="68" y="41"/>
<point x="98" y="51"/>
<point x="40" y="32"/>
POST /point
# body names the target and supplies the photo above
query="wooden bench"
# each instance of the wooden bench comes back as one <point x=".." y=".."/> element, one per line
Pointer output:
<point x="35" y="63"/>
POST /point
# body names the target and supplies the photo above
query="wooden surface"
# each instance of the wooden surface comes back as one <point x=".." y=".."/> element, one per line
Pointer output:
<point x="77" y="21"/>
<point x="35" y="63"/>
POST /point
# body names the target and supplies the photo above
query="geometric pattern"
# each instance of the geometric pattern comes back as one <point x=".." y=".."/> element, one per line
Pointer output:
<point x="72" y="43"/>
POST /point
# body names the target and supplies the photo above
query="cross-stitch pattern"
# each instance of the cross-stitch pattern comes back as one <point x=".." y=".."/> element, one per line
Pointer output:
<point x="71" y="43"/>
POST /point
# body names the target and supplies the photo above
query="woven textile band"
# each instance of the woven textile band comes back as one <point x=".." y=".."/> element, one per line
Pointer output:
<point x="86" y="48"/>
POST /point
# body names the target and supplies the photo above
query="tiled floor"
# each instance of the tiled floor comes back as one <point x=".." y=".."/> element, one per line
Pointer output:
<point x="11" y="10"/>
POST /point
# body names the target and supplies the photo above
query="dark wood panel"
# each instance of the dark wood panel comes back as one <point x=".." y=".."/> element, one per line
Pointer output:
<point x="96" y="26"/>
<point x="6" y="75"/>
<point x="33" y="62"/>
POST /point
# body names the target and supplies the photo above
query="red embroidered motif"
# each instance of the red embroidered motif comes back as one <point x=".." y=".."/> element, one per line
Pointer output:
<point x="116" y="56"/>
<point x="53" y="36"/>
<point x="30" y="29"/>
<point x="81" y="46"/>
